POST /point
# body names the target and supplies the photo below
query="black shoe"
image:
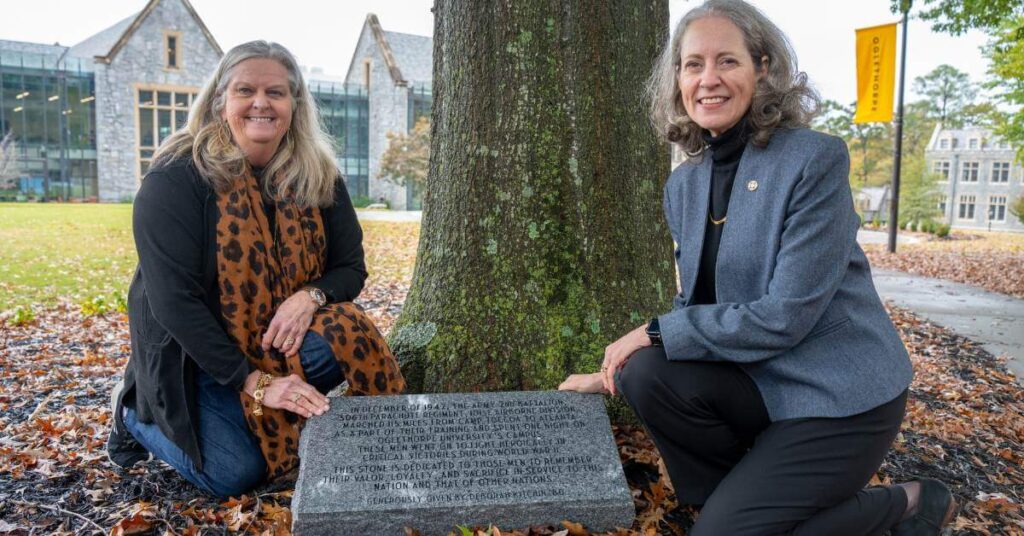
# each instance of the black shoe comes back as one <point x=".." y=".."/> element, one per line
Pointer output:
<point x="935" y="509"/>
<point x="122" y="448"/>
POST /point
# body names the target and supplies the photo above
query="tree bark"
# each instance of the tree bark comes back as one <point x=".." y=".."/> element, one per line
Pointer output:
<point x="543" y="237"/>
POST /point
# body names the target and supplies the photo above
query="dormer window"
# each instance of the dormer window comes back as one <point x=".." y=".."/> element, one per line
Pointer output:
<point x="172" y="50"/>
<point x="943" y="144"/>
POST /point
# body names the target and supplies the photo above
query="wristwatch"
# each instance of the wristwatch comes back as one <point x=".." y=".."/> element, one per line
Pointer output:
<point x="318" y="296"/>
<point x="654" y="332"/>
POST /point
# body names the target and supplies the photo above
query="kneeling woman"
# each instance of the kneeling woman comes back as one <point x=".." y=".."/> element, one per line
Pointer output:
<point x="775" y="386"/>
<point x="240" y="310"/>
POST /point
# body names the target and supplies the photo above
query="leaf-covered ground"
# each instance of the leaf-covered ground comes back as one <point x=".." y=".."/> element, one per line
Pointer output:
<point x="991" y="260"/>
<point x="965" y="425"/>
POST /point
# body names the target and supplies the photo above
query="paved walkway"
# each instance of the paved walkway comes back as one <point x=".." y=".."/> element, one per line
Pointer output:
<point x="389" y="215"/>
<point x="865" y="236"/>
<point x="994" y="320"/>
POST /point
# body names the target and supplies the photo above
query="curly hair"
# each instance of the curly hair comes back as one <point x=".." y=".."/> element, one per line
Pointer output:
<point x="782" y="98"/>
<point x="304" y="163"/>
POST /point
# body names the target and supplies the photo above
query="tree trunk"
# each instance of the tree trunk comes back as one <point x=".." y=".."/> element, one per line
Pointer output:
<point x="543" y="237"/>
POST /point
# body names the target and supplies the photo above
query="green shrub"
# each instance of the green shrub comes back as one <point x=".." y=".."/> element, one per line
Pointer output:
<point x="99" y="305"/>
<point x="361" y="201"/>
<point x="942" y="230"/>
<point x="23" y="316"/>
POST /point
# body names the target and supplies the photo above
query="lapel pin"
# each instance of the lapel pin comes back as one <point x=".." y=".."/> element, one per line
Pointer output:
<point x="752" y="185"/>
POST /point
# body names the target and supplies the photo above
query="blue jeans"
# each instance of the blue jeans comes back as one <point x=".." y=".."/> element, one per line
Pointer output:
<point x="232" y="461"/>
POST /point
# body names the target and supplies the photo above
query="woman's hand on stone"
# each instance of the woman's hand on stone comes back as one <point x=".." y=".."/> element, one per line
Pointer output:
<point x="618" y="352"/>
<point x="584" y="383"/>
<point x="289" y="325"/>
<point x="291" y="393"/>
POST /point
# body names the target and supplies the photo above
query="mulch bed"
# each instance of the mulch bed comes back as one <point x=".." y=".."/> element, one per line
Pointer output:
<point x="1000" y="271"/>
<point x="964" y="425"/>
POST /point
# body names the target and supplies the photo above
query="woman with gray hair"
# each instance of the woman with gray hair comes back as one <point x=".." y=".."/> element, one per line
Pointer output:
<point x="776" y="384"/>
<point x="240" y="310"/>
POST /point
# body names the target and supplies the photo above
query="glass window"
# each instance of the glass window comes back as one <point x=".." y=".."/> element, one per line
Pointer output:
<point x="163" y="98"/>
<point x="181" y="100"/>
<point x="180" y="119"/>
<point x="970" y="172"/>
<point x="972" y="143"/>
<point x="146" y="137"/>
<point x="941" y="168"/>
<point x="943" y="144"/>
<point x="145" y="98"/>
<point x="164" y="126"/>
<point x="1000" y="172"/>
<point x="172" y="51"/>
<point x="966" y="210"/>
<point x="997" y="208"/>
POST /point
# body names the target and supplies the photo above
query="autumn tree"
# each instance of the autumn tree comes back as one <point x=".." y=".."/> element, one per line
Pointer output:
<point x="948" y="90"/>
<point x="407" y="155"/>
<point x="869" y="143"/>
<point x="1006" y="53"/>
<point x="918" y="192"/>
<point x="543" y="238"/>
<point x="1017" y="208"/>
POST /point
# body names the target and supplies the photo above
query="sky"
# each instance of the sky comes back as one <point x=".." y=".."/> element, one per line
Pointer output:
<point x="323" y="33"/>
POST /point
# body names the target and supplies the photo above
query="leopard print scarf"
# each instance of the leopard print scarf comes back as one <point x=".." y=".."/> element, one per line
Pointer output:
<point x="258" y="268"/>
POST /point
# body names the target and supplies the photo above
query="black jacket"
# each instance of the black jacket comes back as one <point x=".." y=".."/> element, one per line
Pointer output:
<point x="174" y="299"/>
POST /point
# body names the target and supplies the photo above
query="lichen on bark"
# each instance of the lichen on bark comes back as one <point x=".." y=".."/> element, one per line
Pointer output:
<point x="542" y="237"/>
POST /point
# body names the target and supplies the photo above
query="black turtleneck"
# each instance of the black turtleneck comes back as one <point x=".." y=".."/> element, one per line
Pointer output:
<point x="726" y="150"/>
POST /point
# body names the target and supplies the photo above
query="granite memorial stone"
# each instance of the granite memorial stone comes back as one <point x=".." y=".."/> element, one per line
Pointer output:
<point x="373" y="465"/>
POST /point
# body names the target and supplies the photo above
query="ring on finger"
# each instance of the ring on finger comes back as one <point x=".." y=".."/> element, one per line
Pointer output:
<point x="289" y="341"/>
<point x="295" y="397"/>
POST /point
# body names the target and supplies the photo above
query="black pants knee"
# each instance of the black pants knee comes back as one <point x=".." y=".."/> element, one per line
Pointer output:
<point x="754" y="476"/>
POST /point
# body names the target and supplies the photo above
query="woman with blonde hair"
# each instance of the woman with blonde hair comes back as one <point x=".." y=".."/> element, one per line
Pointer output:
<point x="776" y="384"/>
<point x="240" y="310"/>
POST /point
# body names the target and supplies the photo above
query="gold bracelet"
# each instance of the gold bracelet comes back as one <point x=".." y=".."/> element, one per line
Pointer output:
<point x="257" y="395"/>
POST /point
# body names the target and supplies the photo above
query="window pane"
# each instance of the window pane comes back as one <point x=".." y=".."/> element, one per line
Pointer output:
<point x="145" y="98"/>
<point x="172" y="51"/>
<point x="144" y="167"/>
<point x="163" y="98"/>
<point x="146" y="153"/>
<point x="146" y="128"/>
<point x="180" y="118"/>
<point x="181" y="100"/>
<point x="163" y="122"/>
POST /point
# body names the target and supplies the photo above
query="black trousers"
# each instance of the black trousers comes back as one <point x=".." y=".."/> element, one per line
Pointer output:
<point x="754" y="476"/>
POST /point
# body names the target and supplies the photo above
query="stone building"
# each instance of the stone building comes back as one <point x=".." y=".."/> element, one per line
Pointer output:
<point x="396" y="70"/>
<point x="149" y="67"/>
<point x="979" y="178"/>
<point x="85" y="120"/>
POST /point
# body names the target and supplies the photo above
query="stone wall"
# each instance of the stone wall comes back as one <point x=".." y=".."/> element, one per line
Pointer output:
<point x="389" y="110"/>
<point x="141" y="62"/>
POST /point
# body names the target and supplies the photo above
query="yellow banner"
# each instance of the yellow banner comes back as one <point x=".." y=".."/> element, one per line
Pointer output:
<point x="876" y="73"/>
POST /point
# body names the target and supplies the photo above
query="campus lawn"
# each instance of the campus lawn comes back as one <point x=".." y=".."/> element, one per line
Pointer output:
<point x="84" y="252"/>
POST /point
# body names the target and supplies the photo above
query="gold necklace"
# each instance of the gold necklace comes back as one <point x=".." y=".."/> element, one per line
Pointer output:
<point x="717" y="222"/>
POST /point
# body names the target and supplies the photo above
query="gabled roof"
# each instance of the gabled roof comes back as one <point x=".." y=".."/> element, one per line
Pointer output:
<point x="414" y="54"/>
<point x="101" y="43"/>
<point x="407" y="57"/>
<point x="875" y="195"/>
<point x="134" y="24"/>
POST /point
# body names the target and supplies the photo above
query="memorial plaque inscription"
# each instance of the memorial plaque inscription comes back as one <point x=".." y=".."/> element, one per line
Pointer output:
<point x="373" y="465"/>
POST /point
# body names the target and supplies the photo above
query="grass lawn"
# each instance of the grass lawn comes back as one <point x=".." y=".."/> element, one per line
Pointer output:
<point x="80" y="252"/>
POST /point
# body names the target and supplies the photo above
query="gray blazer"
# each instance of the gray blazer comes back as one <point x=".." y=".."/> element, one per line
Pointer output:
<point x="797" y="309"/>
